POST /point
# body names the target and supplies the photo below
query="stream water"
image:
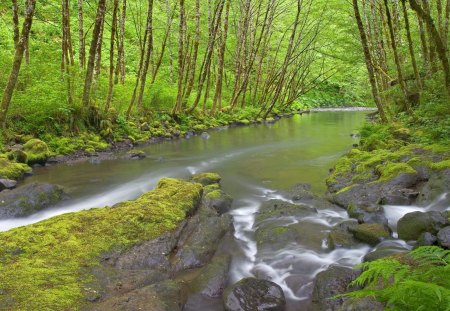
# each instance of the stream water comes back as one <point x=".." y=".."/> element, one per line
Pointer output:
<point x="254" y="162"/>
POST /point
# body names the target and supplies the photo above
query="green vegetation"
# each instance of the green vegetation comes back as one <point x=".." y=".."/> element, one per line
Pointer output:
<point x="45" y="266"/>
<point x="416" y="281"/>
<point x="12" y="170"/>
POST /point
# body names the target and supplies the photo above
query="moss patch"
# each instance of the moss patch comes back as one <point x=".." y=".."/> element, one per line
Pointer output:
<point x="391" y="170"/>
<point x="42" y="266"/>
<point x="12" y="170"/>
<point x="37" y="151"/>
<point x="206" y="178"/>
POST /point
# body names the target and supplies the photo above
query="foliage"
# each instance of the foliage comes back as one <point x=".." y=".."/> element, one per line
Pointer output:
<point x="418" y="281"/>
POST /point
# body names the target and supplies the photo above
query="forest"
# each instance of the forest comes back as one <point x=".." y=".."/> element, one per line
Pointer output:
<point x="79" y="79"/>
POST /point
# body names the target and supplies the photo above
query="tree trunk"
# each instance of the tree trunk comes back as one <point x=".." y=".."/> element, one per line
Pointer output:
<point x="120" y="65"/>
<point x="396" y="57"/>
<point x="181" y="57"/>
<point x="111" y="55"/>
<point x="148" y="52"/>
<point x="411" y="47"/>
<point x="437" y="40"/>
<point x="81" y="40"/>
<point x="369" y="64"/>
<point x="96" y="33"/>
<point x="195" y="52"/>
<point x="98" y="51"/>
<point x="17" y="62"/>
<point x="15" y="11"/>
<point x="217" y="103"/>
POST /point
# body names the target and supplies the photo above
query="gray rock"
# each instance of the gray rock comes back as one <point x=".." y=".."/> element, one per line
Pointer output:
<point x="438" y="183"/>
<point x="412" y="225"/>
<point x="218" y="201"/>
<point x="426" y="239"/>
<point x="28" y="199"/>
<point x="443" y="237"/>
<point x="213" y="279"/>
<point x="199" y="240"/>
<point x="370" y="233"/>
<point x="252" y="294"/>
<point x="7" y="184"/>
<point x="385" y="249"/>
<point x="329" y="283"/>
<point x="279" y="208"/>
<point x="362" y="304"/>
<point x="340" y="236"/>
<point x="164" y="296"/>
<point x="367" y="213"/>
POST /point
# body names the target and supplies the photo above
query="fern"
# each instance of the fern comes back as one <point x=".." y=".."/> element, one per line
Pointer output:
<point x="420" y="281"/>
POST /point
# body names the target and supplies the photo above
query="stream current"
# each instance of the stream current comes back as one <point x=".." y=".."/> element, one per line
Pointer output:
<point x="254" y="162"/>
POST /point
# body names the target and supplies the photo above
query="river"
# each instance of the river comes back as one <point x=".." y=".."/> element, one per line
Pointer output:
<point x="254" y="162"/>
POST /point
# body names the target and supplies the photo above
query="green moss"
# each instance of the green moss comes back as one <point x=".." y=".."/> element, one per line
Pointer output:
<point x="43" y="266"/>
<point x="199" y="127"/>
<point x="343" y="168"/>
<point x="391" y="170"/>
<point x="213" y="195"/>
<point x="37" y="151"/>
<point x="441" y="165"/>
<point x="12" y="170"/>
<point x="211" y="188"/>
<point x="206" y="178"/>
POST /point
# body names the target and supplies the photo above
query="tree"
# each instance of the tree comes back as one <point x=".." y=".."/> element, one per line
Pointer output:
<point x="17" y="62"/>
<point x="96" y="33"/>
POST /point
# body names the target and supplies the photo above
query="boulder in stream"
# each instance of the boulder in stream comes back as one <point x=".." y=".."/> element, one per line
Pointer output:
<point x="412" y="225"/>
<point x="443" y="237"/>
<point x="7" y="184"/>
<point x="252" y="294"/>
<point x="370" y="233"/>
<point x="29" y="199"/>
<point x="329" y="283"/>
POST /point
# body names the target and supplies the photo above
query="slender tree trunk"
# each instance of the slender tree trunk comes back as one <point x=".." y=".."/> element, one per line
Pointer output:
<point x="181" y="57"/>
<point x="170" y="16"/>
<point x="81" y="40"/>
<point x="98" y="51"/>
<point x="27" y="39"/>
<point x="369" y="64"/>
<point x="411" y="47"/>
<point x="148" y="52"/>
<point x="217" y="103"/>
<point x="111" y="55"/>
<point x="17" y="62"/>
<point x="208" y="56"/>
<point x="120" y="65"/>
<point x="15" y="11"/>
<point x="92" y="52"/>
<point x="140" y="67"/>
<point x="195" y="52"/>
<point x="396" y="57"/>
<point x="440" y="46"/>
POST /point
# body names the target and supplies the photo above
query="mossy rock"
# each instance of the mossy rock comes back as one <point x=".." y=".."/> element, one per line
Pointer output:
<point x="206" y="178"/>
<point x="18" y="156"/>
<point x="370" y="233"/>
<point x="37" y="151"/>
<point x="46" y="263"/>
<point x="199" y="128"/>
<point x="389" y="171"/>
<point x="12" y="170"/>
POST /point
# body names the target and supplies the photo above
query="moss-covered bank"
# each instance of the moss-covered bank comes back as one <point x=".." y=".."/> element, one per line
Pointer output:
<point x="45" y="266"/>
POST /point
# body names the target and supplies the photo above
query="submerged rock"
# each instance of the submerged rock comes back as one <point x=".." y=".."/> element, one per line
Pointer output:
<point x="29" y="199"/>
<point x="252" y="294"/>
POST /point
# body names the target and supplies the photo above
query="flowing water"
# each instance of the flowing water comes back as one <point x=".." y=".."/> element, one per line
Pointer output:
<point x="254" y="162"/>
